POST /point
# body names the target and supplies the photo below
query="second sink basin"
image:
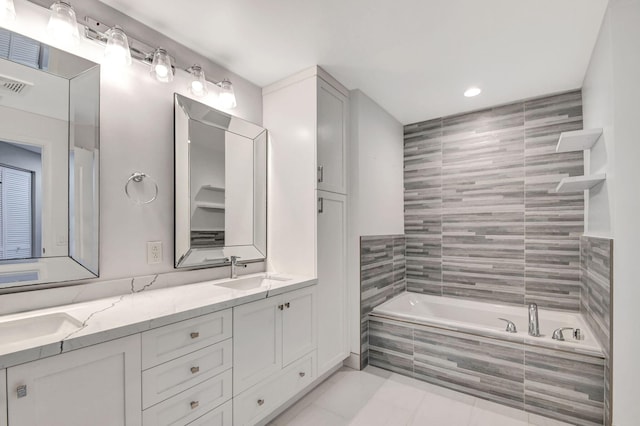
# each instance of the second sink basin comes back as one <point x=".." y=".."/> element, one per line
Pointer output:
<point x="57" y="324"/>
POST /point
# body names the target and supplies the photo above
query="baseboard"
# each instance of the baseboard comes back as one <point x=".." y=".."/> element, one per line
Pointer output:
<point x="353" y="361"/>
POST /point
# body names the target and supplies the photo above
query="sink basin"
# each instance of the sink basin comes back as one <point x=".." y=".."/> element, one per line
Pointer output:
<point x="245" y="283"/>
<point x="251" y="283"/>
<point x="56" y="324"/>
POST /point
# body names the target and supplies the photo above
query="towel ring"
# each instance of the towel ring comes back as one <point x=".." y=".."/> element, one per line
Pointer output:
<point x="140" y="177"/>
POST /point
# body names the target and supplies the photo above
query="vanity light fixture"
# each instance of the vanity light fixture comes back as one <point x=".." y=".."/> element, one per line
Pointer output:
<point x="198" y="84"/>
<point x="161" y="68"/>
<point x="63" y="26"/>
<point x="227" y="96"/>
<point x="117" y="51"/>
<point x="7" y="10"/>
<point x="472" y="91"/>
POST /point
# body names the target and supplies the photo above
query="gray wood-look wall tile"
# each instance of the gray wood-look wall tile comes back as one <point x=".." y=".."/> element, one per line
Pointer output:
<point x="484" y="183"/>
<point x="562" y="385"/>
<point x="382" y="276"/>
<point x="595" y="300"/>
<point x="565" y="386"/>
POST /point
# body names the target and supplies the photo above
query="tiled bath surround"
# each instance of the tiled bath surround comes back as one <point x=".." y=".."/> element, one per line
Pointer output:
<point x="595" y="300"/>
<point x="482" y="220"/>
<point x="382" y="276"/>
<point x="567" y="386"/>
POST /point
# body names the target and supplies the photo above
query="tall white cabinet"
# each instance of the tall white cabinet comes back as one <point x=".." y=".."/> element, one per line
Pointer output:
<point x="307" y="119"/>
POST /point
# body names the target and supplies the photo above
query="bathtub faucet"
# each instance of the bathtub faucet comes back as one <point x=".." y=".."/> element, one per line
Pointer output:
<point x="534" y="329"/>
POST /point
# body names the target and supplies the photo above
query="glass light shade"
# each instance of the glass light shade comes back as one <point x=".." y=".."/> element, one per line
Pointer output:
<point x="227" y="96"/>
<point x="161" y="66"/>
<point x="63" y="26"/>
<point x="7" y="10"/>
<point x="117" y="52"/>
<point x="198" y="84"/>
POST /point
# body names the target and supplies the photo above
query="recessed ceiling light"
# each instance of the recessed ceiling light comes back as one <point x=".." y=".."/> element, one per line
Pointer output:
<point x="472" y="91"/>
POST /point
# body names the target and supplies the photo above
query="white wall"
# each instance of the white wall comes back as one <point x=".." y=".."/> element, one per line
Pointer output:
<point x="136" y="132"/>
<point x="610" y="99"/>
<point x="376" y="188"/>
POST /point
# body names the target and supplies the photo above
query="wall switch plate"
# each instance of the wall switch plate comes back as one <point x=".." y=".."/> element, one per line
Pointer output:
<point x="154" y="252"/>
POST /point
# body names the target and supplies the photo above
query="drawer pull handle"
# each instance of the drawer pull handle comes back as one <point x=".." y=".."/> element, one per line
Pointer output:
<point x="302" y="374"/>
<point x="195" y="370"/>
<point x="194" y="335"/>
<point x="287" y="305"/>
<point x="281" y="307"/>
<point x="260" y="401"/>
<point x="194" y="404"/>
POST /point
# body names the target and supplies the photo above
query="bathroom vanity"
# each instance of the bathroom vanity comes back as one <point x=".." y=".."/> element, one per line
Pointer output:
<point x="216" y="353"/>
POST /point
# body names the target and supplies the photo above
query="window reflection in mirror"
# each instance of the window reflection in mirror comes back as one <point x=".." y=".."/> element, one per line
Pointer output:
<point x="49" y="137"/>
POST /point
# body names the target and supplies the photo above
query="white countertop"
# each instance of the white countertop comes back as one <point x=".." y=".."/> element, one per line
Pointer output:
<point x="114" y="317"/>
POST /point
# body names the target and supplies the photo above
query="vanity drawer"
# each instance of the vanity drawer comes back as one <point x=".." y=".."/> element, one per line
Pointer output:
<point x="221" y="416"/>
<point x="173" y="377"/>
<point x="191" y="404"/>
<point x="169" y="342"/>
<point x="253" y="405"/>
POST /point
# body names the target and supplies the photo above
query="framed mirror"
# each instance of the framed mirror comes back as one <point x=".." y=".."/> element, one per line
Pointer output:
<point x="49" y="161"/>
<point x="220" y="187"/>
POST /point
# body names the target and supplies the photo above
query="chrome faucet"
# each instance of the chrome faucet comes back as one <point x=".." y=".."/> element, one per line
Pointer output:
<point x="234" y="266"/>
<point x="534" y="328"/>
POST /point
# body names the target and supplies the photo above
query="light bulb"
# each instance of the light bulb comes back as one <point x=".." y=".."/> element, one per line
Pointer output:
<point x="472" y="91"/>
<point x="227" y="96"/>
<point x="161" y="66"/>
<point x="198" y="85"/>
<point x="7" y="10"/>
<point x="63" y="27"/>
<point x="117" y="52"/>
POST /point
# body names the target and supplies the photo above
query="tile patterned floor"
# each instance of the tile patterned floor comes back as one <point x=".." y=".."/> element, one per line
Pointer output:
<point x="375" y="397"/>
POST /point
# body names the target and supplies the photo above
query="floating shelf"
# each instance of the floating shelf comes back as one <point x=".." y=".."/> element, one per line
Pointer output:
<point x="578" y="140"/>
<point x="580" y="183"/>
<point x="209" y="205"/>
<point x="213" y="188"/>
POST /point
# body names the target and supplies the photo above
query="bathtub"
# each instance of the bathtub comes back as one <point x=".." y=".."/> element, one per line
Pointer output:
<point x="481" y="318"/>
<point x="462" y="345"/>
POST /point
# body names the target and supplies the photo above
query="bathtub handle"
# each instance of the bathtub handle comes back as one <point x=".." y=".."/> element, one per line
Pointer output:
<point x="557" y="333"/>
<point x="511" y="327"/>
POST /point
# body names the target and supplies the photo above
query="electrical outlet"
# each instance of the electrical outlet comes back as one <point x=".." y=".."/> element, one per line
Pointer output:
<point x="154" y="252"/>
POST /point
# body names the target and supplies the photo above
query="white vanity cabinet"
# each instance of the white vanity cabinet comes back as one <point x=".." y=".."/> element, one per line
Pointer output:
<point x="3" y="397"/>
<point x="98" y="385"/>
<point x="332" y="138"/>
<point x="187" y="372"/>
<point x="274" y="352"/>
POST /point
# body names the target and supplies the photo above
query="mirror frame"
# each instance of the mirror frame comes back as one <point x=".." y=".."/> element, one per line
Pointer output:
<point x="56" y="269"/>
<point x="186" y="256"/>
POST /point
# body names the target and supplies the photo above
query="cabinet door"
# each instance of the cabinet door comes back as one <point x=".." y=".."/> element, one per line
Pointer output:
<point x="298" y="324"/>
<point x="257" y="342"/>
<point x="3" y="397"/>
<point x="332" y="137"/>
<point x="331" y="288"/>
<point x="98" y="385"/>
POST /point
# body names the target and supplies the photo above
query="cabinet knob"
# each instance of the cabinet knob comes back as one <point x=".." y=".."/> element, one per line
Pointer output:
<point x="194" y="335"/>
<point x="22" y="391"/>
<point x="302" y="374"/>
<point x="320" y="173"/>
<point x="260" y="401"/>
<point x="195" y="370"/>
<point x="194" y="404"/>
<point x="281" y="307"/>
<point x="287" y="305"/>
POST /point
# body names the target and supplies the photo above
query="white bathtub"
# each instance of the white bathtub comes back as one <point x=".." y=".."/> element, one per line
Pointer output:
<point x="482" y="318"/>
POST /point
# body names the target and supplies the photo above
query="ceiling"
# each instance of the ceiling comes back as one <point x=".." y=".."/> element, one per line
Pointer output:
<point x="413" y="57"/>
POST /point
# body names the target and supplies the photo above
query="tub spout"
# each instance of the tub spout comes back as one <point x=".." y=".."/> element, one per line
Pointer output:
<point x="534" y="328"/>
